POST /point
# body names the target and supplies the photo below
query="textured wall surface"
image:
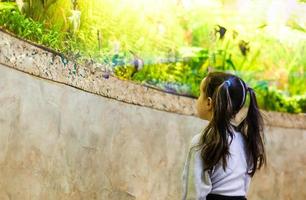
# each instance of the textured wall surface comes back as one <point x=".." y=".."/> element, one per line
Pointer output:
<point x="285" y="176"/>
<point x="58" y="142"/>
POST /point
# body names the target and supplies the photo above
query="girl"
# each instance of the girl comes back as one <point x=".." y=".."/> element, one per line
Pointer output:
<point x="228" y="151"/>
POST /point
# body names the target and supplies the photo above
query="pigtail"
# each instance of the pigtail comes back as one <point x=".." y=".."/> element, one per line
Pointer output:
<point x="254" y="135"/>
<point x="223" y="104"/>
<point x="216" y="145"/>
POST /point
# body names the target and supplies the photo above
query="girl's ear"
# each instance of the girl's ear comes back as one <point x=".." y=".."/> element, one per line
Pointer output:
<point x="209" y="103"/>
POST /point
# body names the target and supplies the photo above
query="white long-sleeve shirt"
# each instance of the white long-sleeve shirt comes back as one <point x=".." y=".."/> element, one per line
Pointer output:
<point x="234" y="181"/>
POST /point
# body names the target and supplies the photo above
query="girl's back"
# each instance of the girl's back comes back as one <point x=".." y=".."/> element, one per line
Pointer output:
<point x="235" y="173"/>
<point x="226" y="155"/>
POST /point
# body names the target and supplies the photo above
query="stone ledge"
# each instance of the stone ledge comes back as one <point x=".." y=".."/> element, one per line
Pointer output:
<point x="49" y="64"/>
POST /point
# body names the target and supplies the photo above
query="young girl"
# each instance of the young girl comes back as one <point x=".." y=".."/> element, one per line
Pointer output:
<point x="228" y="151"/>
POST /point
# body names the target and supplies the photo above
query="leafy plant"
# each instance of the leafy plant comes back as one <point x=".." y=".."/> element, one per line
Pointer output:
<point x="178" y="44"/>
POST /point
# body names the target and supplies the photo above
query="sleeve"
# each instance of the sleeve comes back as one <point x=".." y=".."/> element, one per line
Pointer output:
<point x="202" y="181"/>
<point x="185" y="175"/>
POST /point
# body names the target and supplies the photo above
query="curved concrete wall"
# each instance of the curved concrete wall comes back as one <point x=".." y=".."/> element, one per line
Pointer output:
<point x="59" y="142"/>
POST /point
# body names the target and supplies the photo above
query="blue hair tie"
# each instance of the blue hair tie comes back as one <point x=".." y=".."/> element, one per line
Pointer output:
<point x="228" y="82"/>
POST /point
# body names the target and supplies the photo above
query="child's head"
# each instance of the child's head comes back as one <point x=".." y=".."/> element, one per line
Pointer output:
<point x="221" y="93"/>
<point x="222" y="96"/>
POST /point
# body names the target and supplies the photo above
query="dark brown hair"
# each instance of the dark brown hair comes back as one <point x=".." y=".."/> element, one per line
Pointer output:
<point x="229" y="93"/>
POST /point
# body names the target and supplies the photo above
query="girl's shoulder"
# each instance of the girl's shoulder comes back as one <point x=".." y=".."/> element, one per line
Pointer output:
<point x="195" y="140"/>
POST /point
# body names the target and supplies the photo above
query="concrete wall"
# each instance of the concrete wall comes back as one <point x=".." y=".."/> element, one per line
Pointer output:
<point x="57" y="142"/>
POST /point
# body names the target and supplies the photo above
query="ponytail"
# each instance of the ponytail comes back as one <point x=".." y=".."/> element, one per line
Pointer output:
<point x="215" y="137"/>
<point x="253" y="127"/>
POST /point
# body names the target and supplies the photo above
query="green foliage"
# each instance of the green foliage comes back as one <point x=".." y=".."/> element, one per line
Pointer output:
<point x="124" y="72"/>
<point x="178" y="44"/>
<point x="301" y="100"/>
<point x="277" y="101"/>
<point x="14" y="21"/>
<point x="172" y="77"/>
<point x="7" y="6"/>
